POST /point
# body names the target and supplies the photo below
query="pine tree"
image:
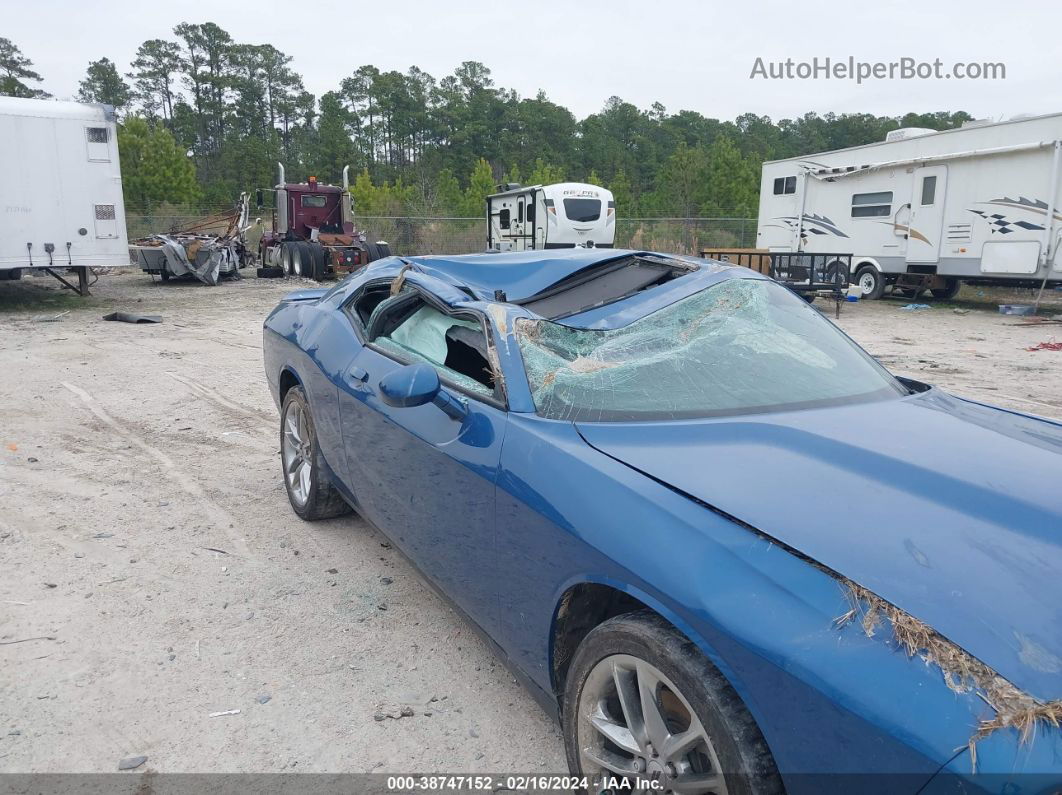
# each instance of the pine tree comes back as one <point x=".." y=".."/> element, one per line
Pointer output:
<point x="14" y="69"/>
<point x="102" y="83"/>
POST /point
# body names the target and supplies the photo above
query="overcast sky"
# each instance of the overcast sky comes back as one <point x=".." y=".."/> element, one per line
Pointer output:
<point x="682" y="53"/>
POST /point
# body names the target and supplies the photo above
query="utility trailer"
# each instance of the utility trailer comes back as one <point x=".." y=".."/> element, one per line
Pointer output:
<point x="565" y="215"/>
<point x="61" y="207"/>
<point x="927" y="210"/>
<point x="313" y="234"/>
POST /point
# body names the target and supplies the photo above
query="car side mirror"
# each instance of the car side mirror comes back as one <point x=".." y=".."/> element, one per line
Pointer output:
<point x="418" y="385"/>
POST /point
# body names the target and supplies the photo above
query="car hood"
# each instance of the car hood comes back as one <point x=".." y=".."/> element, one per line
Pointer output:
<point x="949" y="509"/>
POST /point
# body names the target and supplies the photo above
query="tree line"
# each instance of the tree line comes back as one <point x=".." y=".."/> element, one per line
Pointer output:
<point x="204" y="117"/>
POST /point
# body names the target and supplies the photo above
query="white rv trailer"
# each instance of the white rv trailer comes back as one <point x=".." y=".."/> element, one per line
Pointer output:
<point x="565" y="215"/>
<point x="925" y="208"/>
<point x="60" y="189"/>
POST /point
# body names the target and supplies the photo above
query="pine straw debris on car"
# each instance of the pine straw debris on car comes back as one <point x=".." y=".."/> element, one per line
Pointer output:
<point x="961" y="670"/>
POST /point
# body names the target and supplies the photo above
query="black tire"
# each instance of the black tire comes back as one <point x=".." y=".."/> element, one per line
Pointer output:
<point x="384" y="249"/>
<point x="288" y="252"/>
<point x="302" y="264"/>
<point x="872" y="281"/>
<point x="837" y="274"/>
<point x="317" y="261"/>
<point x="322" y="501"/>
<point x="742" y="753"/>
<point x="372" y="251"/>
<point x="270" y="273"/>
<point x="948" y="291"/>
<point x="809" y="297"/>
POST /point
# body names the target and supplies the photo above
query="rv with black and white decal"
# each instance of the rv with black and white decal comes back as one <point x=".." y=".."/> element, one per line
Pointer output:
<point x="61" y="207"/>
<point x="925" y="209"/>
<point x="565" y="215"/>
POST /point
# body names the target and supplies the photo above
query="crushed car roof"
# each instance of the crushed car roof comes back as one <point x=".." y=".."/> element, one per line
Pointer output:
<point x="586" y="288"/>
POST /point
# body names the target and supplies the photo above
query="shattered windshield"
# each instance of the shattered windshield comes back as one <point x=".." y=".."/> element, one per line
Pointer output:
<point x="740" y="346"/>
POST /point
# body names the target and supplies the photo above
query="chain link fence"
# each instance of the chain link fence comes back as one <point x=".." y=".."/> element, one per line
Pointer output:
<point x="409" y="235"/>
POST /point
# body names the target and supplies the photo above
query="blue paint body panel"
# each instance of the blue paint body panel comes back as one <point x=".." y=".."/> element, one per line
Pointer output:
<point x="948" y="508"/>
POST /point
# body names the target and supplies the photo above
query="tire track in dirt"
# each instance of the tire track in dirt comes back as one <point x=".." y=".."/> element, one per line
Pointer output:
<point x="214" y="512"/>
<point x="225" y="403"/>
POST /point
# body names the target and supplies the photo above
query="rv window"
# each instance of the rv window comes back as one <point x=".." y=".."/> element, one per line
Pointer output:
<point x="503" y="218"/>
<point x="929" y="190"/>
<point x="531" y="211"/>
<point x="520" y="212"/>
<point x="96" y="135"/>
<point x="872" y="205"/>
<point x="582" y="211"/>
<point x="314" y="201"/>
<point x="784" y="185"/>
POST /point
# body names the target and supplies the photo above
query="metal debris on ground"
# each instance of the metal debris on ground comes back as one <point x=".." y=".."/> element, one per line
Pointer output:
<point x="128" y="317"/>
<point x="224" y="712"/>
<point x="131" y="763"/>
<point x="194" y="251"/>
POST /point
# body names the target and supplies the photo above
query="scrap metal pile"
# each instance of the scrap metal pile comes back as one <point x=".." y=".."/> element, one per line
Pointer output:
<point x="191" y="251"/>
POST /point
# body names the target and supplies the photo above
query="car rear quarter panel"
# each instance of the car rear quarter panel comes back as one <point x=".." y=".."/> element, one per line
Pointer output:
<point x="828" y="699"/>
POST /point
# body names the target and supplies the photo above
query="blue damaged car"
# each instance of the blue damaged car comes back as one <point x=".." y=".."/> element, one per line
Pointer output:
<point x="721" y="543"/>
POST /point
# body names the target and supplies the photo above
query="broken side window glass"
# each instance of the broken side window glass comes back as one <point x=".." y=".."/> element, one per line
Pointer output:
<point x="740" y="346"/>
<point x="455" y="346"/>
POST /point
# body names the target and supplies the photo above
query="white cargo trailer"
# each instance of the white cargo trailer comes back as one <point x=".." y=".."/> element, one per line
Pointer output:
<point x="60" y="189"/>
<point x="926" y="209"/>
<point x="565" y="215"/>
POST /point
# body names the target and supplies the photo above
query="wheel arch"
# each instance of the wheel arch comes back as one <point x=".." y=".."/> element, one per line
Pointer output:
<point x="288" y="379"/>
<point x="861" y="261"/>
<point x="587" y="602"/>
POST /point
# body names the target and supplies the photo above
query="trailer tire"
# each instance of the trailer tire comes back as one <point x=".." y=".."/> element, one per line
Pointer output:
<point x="270" y="273"/>
<point x="384" y="248"/>
<point x="372" y="251"/>
<point x="871" y="281"/>
<point x="318" y="268"/>
<point x="948" y="291"/>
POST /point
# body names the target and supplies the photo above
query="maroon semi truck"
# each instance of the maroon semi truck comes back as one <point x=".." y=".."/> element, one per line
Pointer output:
<point x="313" y="233"/>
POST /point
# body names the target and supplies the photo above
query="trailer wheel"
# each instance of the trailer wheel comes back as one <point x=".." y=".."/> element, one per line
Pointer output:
<point x="871" y="282"/>
<point x="317" y="269"/>
<point x="372" y="251"/>
<point x="384" y="248"/>
<point x="948" y="291"/>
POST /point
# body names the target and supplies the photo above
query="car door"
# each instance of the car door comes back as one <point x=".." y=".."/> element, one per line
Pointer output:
<point x="424" y="478"/>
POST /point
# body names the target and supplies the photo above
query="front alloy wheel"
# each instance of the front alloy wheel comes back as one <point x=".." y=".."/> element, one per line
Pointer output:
<point x="296" y="452"/>
<point x="635" y="722"/>
<point x="310" y="490"/>
<point x="642" y="705"/>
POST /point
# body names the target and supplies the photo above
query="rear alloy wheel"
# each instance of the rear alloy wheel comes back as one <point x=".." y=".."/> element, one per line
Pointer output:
<point x="310" y="492"/>
<point x="871" y="282"/>
<point x="948" y="291"/>
<point x="642" y="702"/>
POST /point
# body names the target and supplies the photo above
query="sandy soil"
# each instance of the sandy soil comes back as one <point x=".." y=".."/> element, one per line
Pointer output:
<point x="153" y="573"/>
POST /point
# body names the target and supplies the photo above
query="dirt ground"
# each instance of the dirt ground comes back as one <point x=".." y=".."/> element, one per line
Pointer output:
<point x="153" y="573"/>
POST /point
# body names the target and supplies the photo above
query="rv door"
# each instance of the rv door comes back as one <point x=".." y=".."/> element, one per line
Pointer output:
<point x="927" y="214"/>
